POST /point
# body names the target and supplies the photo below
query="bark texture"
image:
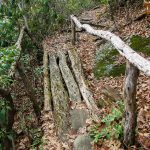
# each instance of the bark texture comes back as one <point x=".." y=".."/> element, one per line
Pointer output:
<point x="85" y="92"/>
<point x="47" y="91"/>
<point x="132" y="74"/>
<point x="73" y="28"/>
<point x="13" y="67"/>
<point x="60" y="98"/>
<point x="69" y="80"/>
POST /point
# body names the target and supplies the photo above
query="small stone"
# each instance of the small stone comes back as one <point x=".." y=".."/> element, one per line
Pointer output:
<point x="78" y="118"/>
<point x="82" y="142"/>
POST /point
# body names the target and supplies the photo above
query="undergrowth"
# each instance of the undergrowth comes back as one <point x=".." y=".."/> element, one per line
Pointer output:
<point x="111" y="126"/>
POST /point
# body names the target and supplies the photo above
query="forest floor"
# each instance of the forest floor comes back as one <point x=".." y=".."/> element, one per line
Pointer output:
<point x="86" y="47"/>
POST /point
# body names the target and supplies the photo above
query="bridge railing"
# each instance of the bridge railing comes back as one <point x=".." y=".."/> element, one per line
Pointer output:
<point x="135" y="63"/>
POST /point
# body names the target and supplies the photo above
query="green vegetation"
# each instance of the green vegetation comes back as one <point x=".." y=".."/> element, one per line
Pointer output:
<point x="8" y="56"/>
<point x="107" y="57"/>
<point x="105" y="62"/>
<point x="41" y="18"/>
<point x="4" y="108"/>
<point x="111" y="126"/>
<point x="140" y="44"/>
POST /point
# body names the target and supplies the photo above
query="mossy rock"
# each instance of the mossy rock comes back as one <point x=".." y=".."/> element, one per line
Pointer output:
<point x="105" y="62"/>
<point x="107" y="56"/>
<point x="140" y="44"/>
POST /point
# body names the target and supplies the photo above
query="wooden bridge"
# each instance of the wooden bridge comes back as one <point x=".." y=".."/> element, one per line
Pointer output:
<point x="66" y="82"/>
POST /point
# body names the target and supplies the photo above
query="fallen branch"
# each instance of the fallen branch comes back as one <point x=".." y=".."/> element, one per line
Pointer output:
<point x="126" y="51"/>
<point x="92" y="24"/>
<point x="18" y="46"/>
<point x="33" y="39"/>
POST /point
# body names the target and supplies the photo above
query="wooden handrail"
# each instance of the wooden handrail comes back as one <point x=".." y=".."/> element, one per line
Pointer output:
<point x="140" y="62"/>
<point x="135" y="62"/>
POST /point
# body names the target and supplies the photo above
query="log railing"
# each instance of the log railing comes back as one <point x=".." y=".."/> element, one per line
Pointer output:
<point x="135" y="63"/>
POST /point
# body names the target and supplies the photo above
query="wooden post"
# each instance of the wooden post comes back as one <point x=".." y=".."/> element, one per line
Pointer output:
<point x="132" y="74"/>
<point x="73" y="31"/>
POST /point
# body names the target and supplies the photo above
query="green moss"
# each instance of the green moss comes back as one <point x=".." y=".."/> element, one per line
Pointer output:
<point x="106" y="58"/>
<point x="105" y="63"/>
<point x="140" y="44"/>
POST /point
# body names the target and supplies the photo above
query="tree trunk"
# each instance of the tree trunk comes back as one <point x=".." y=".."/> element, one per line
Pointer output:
<point x="130" y="84"/>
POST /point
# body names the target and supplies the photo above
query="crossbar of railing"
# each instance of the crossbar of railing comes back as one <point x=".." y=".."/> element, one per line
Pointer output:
<point x="140" y="62"/>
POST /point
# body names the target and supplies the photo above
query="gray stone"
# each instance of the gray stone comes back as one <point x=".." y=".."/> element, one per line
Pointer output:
<point x="82" y="142"/>
<point x="78" y="118"/>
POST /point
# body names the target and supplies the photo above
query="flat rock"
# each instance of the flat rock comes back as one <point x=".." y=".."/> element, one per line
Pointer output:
<point x="82" y="142"/>
<point x="78" y="118"/>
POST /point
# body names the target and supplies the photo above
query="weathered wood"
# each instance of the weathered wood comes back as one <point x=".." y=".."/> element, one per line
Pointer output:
<point x="132" y="74"/>
<point x="126" y="51"/>
<point x="73" y="29"/>
<point x="72" y="86"/>
<point x="47" y="91"/>
<point x="18" y="46"/>
<point x="60" y="98"/>
<point x="19" y="41"/>
<point x="85" y="92"/>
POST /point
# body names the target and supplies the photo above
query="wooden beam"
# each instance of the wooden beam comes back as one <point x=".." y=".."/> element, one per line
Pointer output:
<point x="126" y="51"/>
<point x="132" y="74"/>
<point x="73" y="29"/>
<point x="47" y="91"/>
<point x="69" y="80"/>
<point x="60" y="98"/>
<point x="84" y="90"/>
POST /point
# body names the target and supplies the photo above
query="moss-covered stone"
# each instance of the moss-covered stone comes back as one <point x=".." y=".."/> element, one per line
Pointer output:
<point x="140" y="44"/>
<point x="105" y="62"/>
<point x="106" y="57"/>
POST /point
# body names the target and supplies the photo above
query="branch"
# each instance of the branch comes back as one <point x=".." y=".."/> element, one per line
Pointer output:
<point x="126" y="51"/>
<point x="24" y="16"/>
<point x="38" y="46"/>
<point x="18" y="45"/>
